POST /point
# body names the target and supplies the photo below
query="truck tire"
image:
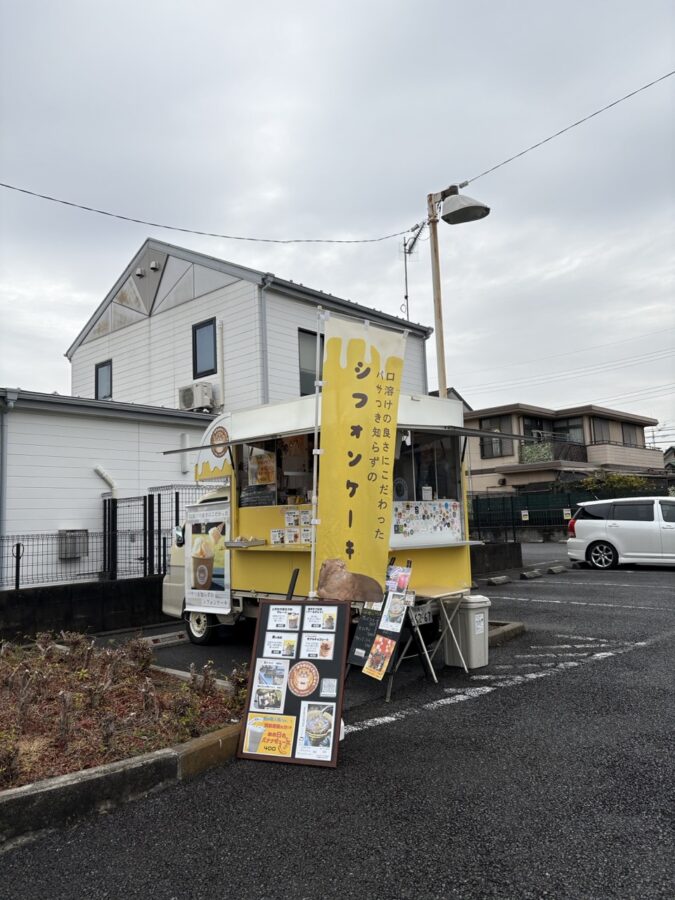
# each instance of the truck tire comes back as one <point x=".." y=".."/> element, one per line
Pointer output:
<point x="200" y="627"/>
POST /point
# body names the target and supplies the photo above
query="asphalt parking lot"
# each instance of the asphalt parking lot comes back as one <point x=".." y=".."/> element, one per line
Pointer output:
<point x="548" y="773"/>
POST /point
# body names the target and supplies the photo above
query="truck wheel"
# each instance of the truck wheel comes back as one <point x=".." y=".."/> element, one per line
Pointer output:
<point x="200" y="627"/>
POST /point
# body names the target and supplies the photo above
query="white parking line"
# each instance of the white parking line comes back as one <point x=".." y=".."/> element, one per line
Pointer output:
<point x="592" y="583"/>
<point x="580" y="637"/>
<point x="555" y="655"/>
<point x="579" y="603"/>
<point x="565" y="646"/>
<point x="459" y="695"/>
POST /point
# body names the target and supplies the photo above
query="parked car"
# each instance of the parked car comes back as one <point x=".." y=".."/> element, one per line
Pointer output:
<point x="638" y="530"/>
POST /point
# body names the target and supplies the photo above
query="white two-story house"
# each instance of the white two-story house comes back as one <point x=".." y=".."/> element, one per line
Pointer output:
<point x="183" y="330"/>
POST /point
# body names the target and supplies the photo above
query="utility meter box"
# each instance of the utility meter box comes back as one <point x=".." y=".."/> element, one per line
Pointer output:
<point x="471" y="630"/>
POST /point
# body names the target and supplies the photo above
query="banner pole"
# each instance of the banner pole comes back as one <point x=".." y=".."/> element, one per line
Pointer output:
<point x="315" y="454"/>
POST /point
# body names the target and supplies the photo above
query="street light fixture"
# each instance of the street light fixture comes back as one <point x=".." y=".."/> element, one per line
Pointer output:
<point x="457" y="208"/>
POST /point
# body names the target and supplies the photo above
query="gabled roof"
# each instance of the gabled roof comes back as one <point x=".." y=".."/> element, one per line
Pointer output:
<point x="162" y="275"/>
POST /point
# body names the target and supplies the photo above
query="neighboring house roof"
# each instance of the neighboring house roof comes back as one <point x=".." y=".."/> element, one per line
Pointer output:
<point x="588" y="409"/>
<point x="454" y="394"/>
<point x="135" y="296"/>
<point x="33" y="400"/>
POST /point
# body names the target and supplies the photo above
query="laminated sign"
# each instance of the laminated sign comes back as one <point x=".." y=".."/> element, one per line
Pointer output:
<point x="359" y="410"/>
<point x="207" y="560"/>
<point x="294" y="703"/>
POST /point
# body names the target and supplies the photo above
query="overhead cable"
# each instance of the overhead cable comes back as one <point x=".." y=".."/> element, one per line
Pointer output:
<point x="597" y="112"/>
<point x="375" y="240"/>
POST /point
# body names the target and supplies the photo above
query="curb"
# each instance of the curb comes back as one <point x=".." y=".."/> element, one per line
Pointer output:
<point x="530" y="573"/>
<point x="43" y="805"/>
<point x="500" y="632"/>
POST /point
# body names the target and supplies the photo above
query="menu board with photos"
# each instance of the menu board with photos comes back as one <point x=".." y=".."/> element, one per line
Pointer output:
<point x="380" y="625"/>
<point x="296" y="685"/>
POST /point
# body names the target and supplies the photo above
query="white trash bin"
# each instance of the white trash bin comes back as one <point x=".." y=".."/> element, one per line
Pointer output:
<point x="471" y="630"/>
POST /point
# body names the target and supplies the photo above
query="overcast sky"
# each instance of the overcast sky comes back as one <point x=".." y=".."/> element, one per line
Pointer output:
<point x="335" y="119"/>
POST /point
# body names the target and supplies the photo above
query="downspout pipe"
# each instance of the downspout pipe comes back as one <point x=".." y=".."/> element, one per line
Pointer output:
<point x="264" y="348"/>
<point x="11" y="395"/>
<point x="101" y="472"/>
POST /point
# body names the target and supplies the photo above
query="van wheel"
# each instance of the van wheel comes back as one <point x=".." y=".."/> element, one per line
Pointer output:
<point x="602" y="555"/>
<point x="200" y="627"/>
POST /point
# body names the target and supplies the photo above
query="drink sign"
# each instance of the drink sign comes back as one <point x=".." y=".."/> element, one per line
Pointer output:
<point x="294" y="704"/>
<point x="207" y="559"/>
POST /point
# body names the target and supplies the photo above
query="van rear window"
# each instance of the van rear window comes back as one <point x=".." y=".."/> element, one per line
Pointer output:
<point x="597" y="511"/>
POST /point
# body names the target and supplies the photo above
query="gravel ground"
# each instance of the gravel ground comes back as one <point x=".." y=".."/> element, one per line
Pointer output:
<point x="547" y="774"/>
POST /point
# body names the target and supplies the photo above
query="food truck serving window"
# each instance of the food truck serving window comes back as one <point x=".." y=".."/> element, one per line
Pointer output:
<point x="275" y="472"/>
<point x="427" y="466"/>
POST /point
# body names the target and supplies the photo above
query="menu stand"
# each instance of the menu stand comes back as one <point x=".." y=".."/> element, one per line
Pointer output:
<point x="420" y="615"/>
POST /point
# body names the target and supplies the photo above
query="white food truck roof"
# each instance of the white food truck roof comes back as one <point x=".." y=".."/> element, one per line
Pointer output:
<point x="415" y="411"/>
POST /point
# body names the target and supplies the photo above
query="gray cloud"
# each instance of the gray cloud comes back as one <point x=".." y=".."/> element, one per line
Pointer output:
<point x="336" y="119"/>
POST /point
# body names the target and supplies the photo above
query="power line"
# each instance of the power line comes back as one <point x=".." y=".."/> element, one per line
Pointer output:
<point x="568" y="128"/>
<point x="578" y="373"/>
<point x="227" y="237"/>
<point x="376" y="240"/>
<point x="529" y="361"/>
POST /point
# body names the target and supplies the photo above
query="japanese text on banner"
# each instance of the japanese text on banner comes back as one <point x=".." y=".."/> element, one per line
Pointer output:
<point x="359" y="411"/>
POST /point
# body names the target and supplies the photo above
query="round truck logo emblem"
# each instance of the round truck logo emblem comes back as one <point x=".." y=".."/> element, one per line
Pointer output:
<point x="219" y="439"/>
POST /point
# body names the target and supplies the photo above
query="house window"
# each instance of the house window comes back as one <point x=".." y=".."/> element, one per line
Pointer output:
<point x="104" y="380"/>
<point x="600" y="431"/>
<point x="571" y="430"/>
<point x="630" y="435"/>
<point x="307" y="354"/>
<point x="535" y="427"/>
<point x="204" y="349"/>
<point x="490" y="448"/>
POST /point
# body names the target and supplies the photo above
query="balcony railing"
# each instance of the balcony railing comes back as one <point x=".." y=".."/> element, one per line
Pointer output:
<point x="552" y="448"/>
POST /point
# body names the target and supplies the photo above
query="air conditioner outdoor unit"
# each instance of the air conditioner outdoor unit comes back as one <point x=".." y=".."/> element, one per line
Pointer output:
<point x="196" y="396"/>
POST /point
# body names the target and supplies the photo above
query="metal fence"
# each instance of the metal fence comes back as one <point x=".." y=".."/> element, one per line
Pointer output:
<point x="27" y="559"/>
<point x="516" y="517"/>
<point x="134" y="541"/>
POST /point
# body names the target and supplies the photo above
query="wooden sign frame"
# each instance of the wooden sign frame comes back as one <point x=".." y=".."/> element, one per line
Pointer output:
<point x="296" y="683"/>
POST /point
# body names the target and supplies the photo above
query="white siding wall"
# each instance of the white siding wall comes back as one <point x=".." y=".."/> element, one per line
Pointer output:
<point x="152" y="359"/>
<point x="285" y="317"/>
<point x="51" y="482"/>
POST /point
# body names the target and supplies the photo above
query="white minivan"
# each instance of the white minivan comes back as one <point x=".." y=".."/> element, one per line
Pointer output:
<point x="638" y="530"/>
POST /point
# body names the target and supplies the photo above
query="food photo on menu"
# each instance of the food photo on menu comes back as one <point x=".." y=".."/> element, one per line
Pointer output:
<point x="379" y="656"/>
<point x="280" y="645"/>
<point x="320" y="618"/>
<point x="398" y="578"/>
<point x="271" y="673"/>
<point x="316" y="731"/>
<point x="394" y="612"/>
<point x="317" y="646"/>
<point x="284" y="618"/>
<point x="269" y="685"/>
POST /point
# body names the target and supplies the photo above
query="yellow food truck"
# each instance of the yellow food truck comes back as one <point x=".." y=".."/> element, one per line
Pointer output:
<point x="244" y="541"/>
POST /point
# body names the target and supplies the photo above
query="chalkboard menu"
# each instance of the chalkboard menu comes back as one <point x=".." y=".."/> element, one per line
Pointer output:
<point x="366" y="630"/>
<point x="296" y="683"/>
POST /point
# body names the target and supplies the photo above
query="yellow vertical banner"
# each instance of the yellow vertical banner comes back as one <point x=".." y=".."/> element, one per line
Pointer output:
<point x="362" y="372"/>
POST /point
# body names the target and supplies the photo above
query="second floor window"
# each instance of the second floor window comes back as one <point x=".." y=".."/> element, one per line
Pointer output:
<point x="630" y="436"/>
<point x="307" y="354"/>
<point x="204" y="349"/>
<point x="601" y="431"/>
<point x="103" y="386"/>
<point x="491" y="448"/>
